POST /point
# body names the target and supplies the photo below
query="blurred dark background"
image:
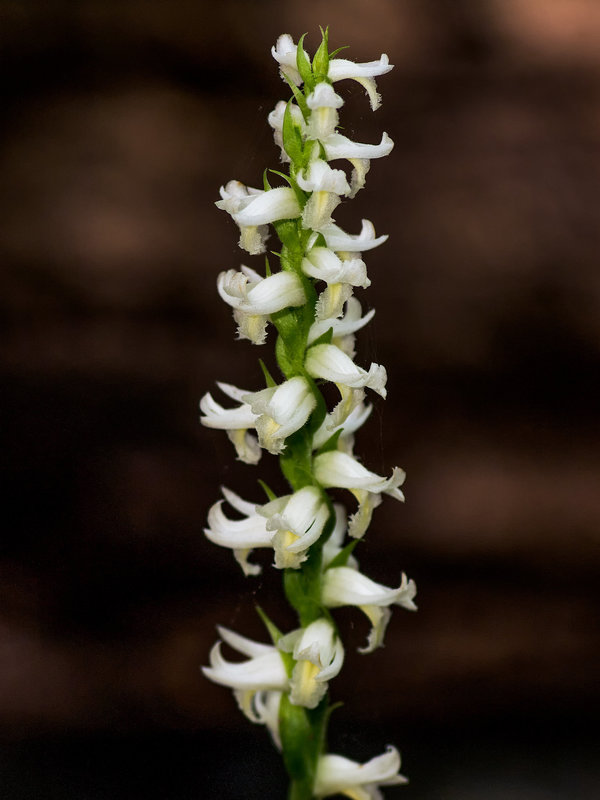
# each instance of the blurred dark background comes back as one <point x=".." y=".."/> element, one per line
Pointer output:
<point x="119" y="122"/>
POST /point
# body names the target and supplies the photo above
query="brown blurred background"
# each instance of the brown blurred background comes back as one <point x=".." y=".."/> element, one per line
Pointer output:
<point x="119" y="123"/>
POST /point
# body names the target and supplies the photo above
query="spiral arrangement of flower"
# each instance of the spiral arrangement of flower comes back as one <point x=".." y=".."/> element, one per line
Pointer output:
<point x="310" y="302"/>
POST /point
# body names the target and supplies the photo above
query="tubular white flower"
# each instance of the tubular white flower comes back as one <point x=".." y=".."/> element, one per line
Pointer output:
<point x="344" y="328"/>
<point x="344" y="586"/>
<point x="284" y="52"/>
<point x="340" y="68"/>
<point x="264" y="669"/>
<point x="338" y="469"/>
<point x="339" y="146"/>
<point x="329" y="362"/>
<point x="322" y="264"/>
<point x="240" y="535"/>
<point x="298" y="521"/>
<point x="235" y="421"/>
<point x="281" y="411"/>
<point x="339" y="775"/>
<point x="323" y="103"/>
<point x="253" y="209"/>
<point x="319" y="655"/>
<point x="253" y="298"/>
<point x="339" y="240"/>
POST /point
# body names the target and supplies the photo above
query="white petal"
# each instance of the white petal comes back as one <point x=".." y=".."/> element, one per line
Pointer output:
<point x="323" y="264"/>
<point x="284" y="53"/>
<point x="324" y="96"/>
<point x="338" y="240"/>
<point x="264" y="671"/>
<point x="338" y="146"/>
<point x="341" y="68"/>
<point x="339" y="775"/>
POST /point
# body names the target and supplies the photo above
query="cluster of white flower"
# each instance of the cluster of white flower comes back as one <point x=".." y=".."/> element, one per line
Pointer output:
<point x="311" y="304"/>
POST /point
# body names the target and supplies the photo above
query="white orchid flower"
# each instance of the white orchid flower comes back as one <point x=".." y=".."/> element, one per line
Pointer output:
<point x="330" y="363"/>
<point x="319" y="655"/>
<point x="341" y="68"/>
<point x="339" y="146"/>
<point x="240" y="535"/>
<point x="280" y="411"/>
<point x="253" y="209"/>
<point x="298" y="521"/>
<point x="323" y="264"/>
<point x="275" y="120"/>
<point x="263" y="671"/>
<point x="323" y="103"/>
<point x="340" y="241"/>
<point x="235" y="421"/>
<point x="344" y="328"/>
<point x="285" y="52"/>
<point x="339" y="469"/>
<point x="344" y="586"/>
<point x="339" y="775"/>
<point x="253" y="298"/>
<point x="326" y="185"/>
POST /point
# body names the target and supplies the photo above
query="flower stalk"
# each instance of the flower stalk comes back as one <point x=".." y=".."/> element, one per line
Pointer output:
<point x="311" y="305"/>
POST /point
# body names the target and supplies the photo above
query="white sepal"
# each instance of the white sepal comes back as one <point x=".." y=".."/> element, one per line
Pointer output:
<point x="323" y="103"/>
<point x="264" y="669"/>
<point x="235" y="421"/>
<point x="339" y="240"/>
<point x="351" y="322"/>
<point x="340" y="68"/>
<point x="280" y="411"/>
<point x="319" y="655"/>
<point x="262" y="708"/>
<point x="320" y="177"/>
<point x="240" y="535"/>
<point x="339" y="146"/>
<point x="339" y="775"/>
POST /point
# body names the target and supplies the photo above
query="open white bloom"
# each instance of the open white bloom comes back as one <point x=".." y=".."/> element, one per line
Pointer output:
<point x="253" y="298"/>
<point x="323" y="264"/>
<point x="339" y="146"/>
<point x="326" y="185"/>
<point x="344" y="328"/>
<point x="280" y="411"/>
<point x="235" y="421"/>
<point x="338" y="469"/>
<point x="240" y="535"/>
<point x="253" y="209"/>
<point x="285" y="52"/>
<point x="340" y="68"/>
<point x="264" y="669"/>
<point x="323" y="103"/>
<point x="339" y="775"/>
<point x="329" y="362"/>
<point x="340" y="241"/>
<point x="319" y="655"/>
<point x="298" y="520"/>
<point x="344" y="586"/>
